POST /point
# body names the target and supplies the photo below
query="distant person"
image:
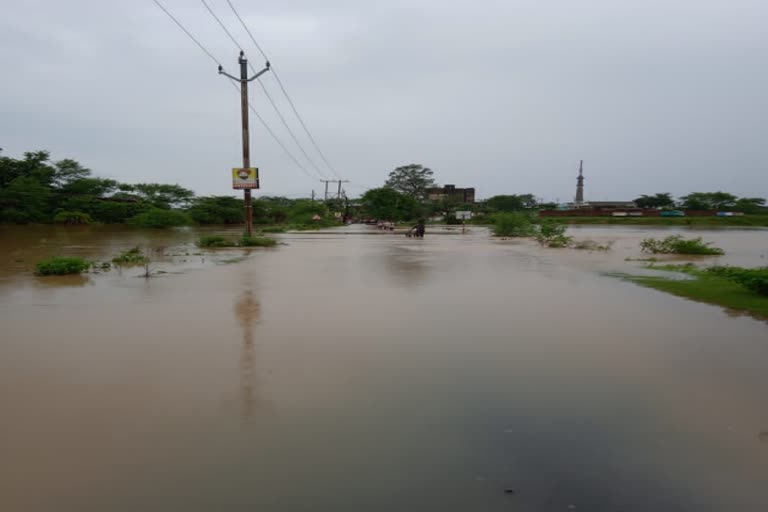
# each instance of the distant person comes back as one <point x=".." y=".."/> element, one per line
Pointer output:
<point x="417" y="231"/>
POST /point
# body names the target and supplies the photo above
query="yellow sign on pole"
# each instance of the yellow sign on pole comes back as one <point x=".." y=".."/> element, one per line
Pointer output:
<point x="245" y="178"/>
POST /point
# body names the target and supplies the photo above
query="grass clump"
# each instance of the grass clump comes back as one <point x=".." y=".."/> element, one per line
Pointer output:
<point x="60" y="266"/>
<point x="676" y="244"/>
<point x="132" y="256"/>
<point x="256" y="241"/>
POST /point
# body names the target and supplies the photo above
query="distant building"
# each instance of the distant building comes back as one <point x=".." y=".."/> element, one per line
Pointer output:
<point x="461" y="195"/>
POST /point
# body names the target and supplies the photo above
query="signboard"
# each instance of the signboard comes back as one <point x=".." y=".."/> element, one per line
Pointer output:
<point x="245" y="178"/>
<point x="463" y="215"/>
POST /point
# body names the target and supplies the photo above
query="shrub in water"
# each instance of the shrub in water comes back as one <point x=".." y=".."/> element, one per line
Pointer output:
<point x="552" y="234"/>
<point x="132" y="256"/>
<point x="676" y="244"/>
<point x="61" y="266"/>
<point x="513" y="224"/>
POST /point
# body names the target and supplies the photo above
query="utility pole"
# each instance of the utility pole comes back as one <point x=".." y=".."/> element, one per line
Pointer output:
<point x="313" y="195"/>
<point x="338" y="194"/>
<point x="325" y="197"/>
<point x="246" y="141"/>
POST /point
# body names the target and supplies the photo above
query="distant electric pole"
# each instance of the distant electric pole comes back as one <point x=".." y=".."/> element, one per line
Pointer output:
<point x="249" y="177"/>
<point x="338" y="194"/>
<point x="313" y="195"/>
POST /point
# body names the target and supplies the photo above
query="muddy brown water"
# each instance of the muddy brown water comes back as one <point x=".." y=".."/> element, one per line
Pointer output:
<point x="353" y="370"/>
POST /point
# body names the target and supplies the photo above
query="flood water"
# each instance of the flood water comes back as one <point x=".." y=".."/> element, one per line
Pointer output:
<point x="353" y="370"/>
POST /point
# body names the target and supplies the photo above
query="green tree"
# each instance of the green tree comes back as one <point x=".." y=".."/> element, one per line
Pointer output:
<point x="749" y="205"/>
<point x="385" y="203"/>
<point x="161" y="195"/>
<point x="412" y="180"/>
<point x="661" y="200"/>
<point x="511" y="203"/>
<point x="708" y="201"/>
<point x="219" y="210"/>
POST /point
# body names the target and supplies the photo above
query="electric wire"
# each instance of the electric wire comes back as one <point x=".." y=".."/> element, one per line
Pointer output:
<point x="320" y="173"/>
<point x="258" y="116"/>
<point x="282" y="88"/>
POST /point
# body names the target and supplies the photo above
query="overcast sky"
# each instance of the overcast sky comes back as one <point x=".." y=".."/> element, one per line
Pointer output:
<point x="505" y="96"/>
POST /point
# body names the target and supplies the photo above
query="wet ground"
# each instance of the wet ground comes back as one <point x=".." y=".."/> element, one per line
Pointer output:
<point x="355" y="370"/>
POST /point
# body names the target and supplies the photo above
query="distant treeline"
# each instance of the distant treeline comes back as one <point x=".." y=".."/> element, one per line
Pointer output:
<point x="35" y="189"/>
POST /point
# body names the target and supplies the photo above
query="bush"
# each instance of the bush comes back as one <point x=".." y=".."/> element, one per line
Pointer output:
<point x="753" y="279"/>
<point x="158" y="218"/>
<point x="676" y="244"/>
<point x="552" y="234"/>
<point x="60" y="266"/>
<point x="72" y="218"/>
<point x="214" y="241"/>
<point x="513" y="225"/>
<point x="132" y="256"/>
<point x="257" y="241"/>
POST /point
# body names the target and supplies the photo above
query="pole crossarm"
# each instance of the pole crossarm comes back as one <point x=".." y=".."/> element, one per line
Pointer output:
<point x="243" y="60"/>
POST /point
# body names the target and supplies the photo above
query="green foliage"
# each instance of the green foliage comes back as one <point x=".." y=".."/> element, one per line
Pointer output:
<point x="513" y="224"/>
<point x="411" y="180"/>
<point x="60" y="266"/>
<point x="218" y="210"/>
<point x="132" y="256"/>
<point x="256" y="241"/>
<point x="72" y="218"/>
<point x="753" y="279"/>
<point x="388" y="204"/>
<point x="676" y="244"/>
<point x="157" y="218"/>
<point x="662" y="200"/>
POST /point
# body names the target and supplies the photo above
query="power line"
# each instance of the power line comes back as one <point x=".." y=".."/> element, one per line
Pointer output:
<point x="214" y="59"/>
<point x="282" y="88"/>
<point x="177" y="22"/>
<point x="266" y="92"/>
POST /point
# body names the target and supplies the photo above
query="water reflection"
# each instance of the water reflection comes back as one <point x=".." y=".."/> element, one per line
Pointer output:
<point x="248" y="313"/>
<point x="407" y="264"/>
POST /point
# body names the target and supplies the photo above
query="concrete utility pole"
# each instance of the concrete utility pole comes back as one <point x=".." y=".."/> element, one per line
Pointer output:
<point x="246" y="142"/>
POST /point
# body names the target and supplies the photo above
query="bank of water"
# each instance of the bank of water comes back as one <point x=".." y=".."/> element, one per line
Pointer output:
<point x="343" y="372"/>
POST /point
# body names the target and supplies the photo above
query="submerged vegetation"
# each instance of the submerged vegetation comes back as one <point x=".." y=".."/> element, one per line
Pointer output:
<point x="132" y="256"/>
<point x="215" y="241"/>
<point x="59" y="266"/>
<point x="676" y="244"/>
<point x="735" y="288"/>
